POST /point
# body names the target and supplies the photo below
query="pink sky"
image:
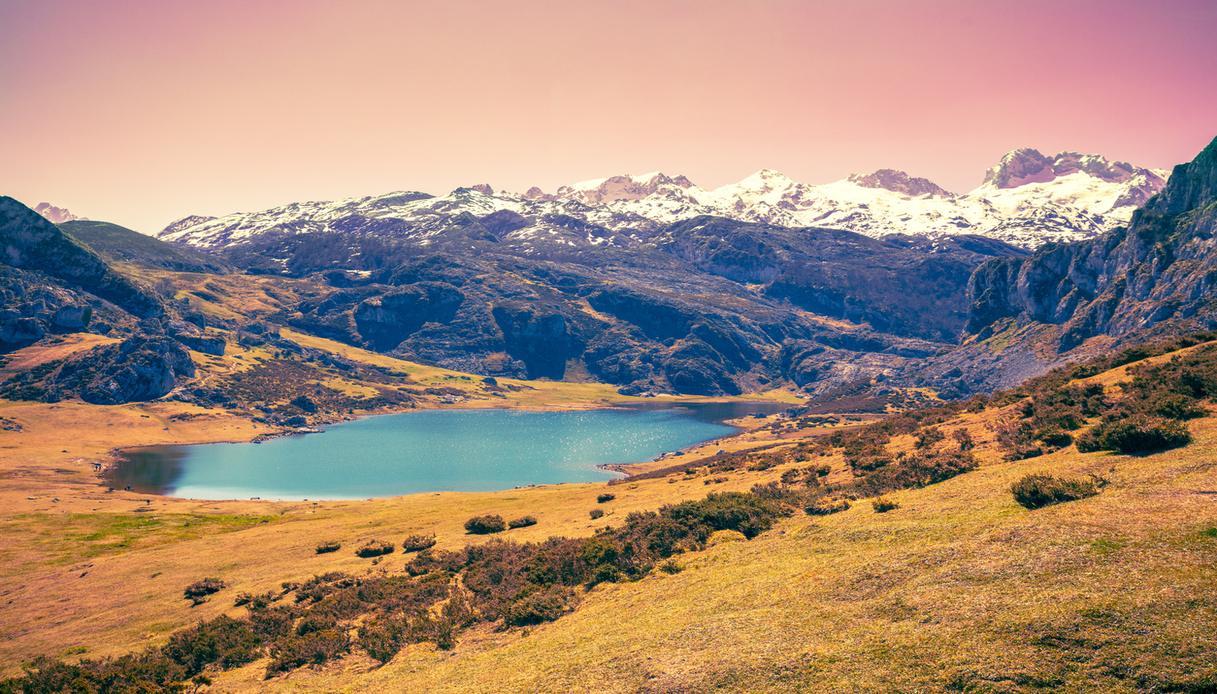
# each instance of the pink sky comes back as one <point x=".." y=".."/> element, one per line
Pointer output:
<point x="142" y="112"/>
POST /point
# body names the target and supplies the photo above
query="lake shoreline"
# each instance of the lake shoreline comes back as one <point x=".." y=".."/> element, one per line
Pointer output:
<point x="123" y="466"/>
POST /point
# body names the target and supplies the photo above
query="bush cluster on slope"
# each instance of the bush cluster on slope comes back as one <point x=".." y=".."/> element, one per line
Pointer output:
<point x="441" y="593"/>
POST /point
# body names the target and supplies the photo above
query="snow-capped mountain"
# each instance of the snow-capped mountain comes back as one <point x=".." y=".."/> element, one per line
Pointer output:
<point x="56" y="215"/>
<point x="1027" y="199"/>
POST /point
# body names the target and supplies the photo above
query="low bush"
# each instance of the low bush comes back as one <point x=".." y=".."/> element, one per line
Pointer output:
<point x="1038" y="490"/>
<point x="605" y="498"/>
<point x="883" y="505"/>
<point x="225" y="641"/>
<point x="595" y="513"/>
<point x="374" y="548"/>
<point x="1136" y="434"/>
<point x="313" y="647"/>
<point x="671" y="566"/>
<point x="198" y="591"/>
<point x="538" y="606"/>
<point x="327" y="547"/>
<point x="826" y="506"/>
<point x="417" y="543"/>
<point x="522" y="522"/>
<point x="484" y="525"/>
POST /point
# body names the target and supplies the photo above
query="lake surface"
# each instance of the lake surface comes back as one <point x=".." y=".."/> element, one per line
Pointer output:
<point x="430" y="451"/>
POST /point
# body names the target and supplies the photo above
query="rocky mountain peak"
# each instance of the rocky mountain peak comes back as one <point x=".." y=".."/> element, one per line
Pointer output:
<point x="898" y="182"/>
<point x="1019" y="167"/>
<point x="624" y="187"/>
<point x="56" y="215"/>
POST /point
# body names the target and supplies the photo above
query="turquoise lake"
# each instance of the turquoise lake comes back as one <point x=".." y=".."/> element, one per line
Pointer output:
<point x="430" y="451"/>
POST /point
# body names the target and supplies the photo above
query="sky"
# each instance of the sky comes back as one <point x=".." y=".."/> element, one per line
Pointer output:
<point x="142" y="112"/>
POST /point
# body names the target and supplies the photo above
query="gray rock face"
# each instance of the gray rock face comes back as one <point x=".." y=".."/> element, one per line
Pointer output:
<point x="1157" y="275"/>
<point x="30" y="242"/>
<point x="899" y="182"/>
<point x="136" y="369"/>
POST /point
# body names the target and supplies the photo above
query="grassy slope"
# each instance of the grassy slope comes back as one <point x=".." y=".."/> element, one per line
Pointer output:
<point x="86" y="571"/>
<point x="958" y="588"/>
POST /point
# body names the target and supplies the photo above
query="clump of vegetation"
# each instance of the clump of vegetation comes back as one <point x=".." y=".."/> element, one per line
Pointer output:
<point x="417" y="543"/>
<point x="1038" y="490"/>
<point x="826" y="506"/>
<point x="327" y="547"/>
<point x="605" y="498"/>
<point x="539" y="606"/>
<point x="486" y="524"/>
<point x="883" y="505"/>
<point x="522" y="522"/>
<point x="198" y="591"/>
<point x="374" y="548"/>
<point x="596" y="513"/>
<point x="671" y="566"/>
<point x="1138" y="434"/>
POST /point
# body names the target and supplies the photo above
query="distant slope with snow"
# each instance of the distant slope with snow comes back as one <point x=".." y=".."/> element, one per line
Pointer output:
<point x="1027" y="199"/>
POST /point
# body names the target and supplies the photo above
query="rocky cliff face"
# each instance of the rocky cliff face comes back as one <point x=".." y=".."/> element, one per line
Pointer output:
<point x="1157" y="275"/>
<point x="30" y="242"/>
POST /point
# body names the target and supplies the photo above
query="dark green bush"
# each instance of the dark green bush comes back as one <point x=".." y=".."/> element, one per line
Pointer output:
<point x="1136" y="434"/>
<point x="223" y="640"/>
<point x="595" y="513"/>
<point x="417" y="543"/>
<point x="198" y="591"/>
<point x="539" y="605"/>
<point x="327" y="547"/>
<point x="1039" y="490"/>
<point x="484" y="525"/>
<point x="374" y="548"/>
<point x="671" y="566"/>
<point x="605" y="498"/>
<point x="312" y="647"/>
<point x="883" y="505"/>
<point x="522" y="522"/>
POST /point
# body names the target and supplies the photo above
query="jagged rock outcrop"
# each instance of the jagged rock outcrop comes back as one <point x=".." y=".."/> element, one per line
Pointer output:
<point x="1155" y="276"/>
<point x="136" y="369"/>
<point x="385" y="321"/>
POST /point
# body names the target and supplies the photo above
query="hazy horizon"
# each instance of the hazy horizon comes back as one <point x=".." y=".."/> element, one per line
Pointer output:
<point x="145" y="112"/>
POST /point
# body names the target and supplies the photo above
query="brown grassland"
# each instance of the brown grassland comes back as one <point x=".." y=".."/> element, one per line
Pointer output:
<point x="958" y="588"/>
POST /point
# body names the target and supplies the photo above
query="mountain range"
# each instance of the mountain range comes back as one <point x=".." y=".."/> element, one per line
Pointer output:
<point x="1026" y="199"/>
<point x="609" y="281"/>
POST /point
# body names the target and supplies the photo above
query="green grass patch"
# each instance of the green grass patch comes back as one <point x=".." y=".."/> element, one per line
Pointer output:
<point x="72" y="537"/>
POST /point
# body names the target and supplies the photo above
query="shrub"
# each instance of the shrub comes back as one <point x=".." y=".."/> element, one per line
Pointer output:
<point x="374" y="548"/>
<point x="927" y="437"/>
<point x="605" y="498"/>
<point x="314" y="647"/>
<point x="417" y="543"/>
<point x="1175" y="406"/>
<point x="671" y="566"/>
<point x="748" y="513"/>
<point x="522" y="522"/>
<point x="1039" y="490"/>
<point x="484" y="525"/>
<point x="596" y="513"/>
<point x="1136" y="434"/>
<point x="223" y="640"/>
<point x="825" y="506"/>
<point x="198" y="591"/>
<point x="883" y="505"/>
<point x="539" y="606"/>
<point x="327" y="547"/>
<point x="964" y="438"/>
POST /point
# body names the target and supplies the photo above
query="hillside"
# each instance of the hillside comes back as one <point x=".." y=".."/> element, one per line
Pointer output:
<point x="121" y="245"/>
<point x="953" y="586"/>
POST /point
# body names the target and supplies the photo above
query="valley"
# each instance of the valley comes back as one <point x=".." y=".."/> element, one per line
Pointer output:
<point x="969" y="443"/>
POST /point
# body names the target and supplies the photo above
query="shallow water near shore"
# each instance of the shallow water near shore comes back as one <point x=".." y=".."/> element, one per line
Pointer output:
<point x="430" y="451"/>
